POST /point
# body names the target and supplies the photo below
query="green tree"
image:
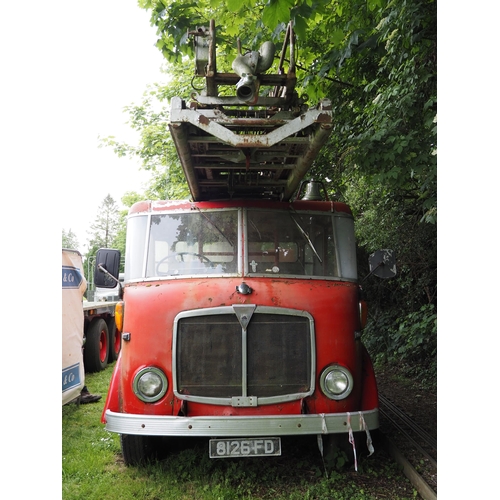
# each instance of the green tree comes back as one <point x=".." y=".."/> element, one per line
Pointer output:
<point x="128" y="199"/>
<point x="102" y="232"/>
<point x="69" y="239"/>
<point x="105" y="227"/>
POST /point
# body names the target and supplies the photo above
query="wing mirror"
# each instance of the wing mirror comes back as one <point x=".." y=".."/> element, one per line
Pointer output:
<point x="107" y="267"/>
<point x="382" y="264"/>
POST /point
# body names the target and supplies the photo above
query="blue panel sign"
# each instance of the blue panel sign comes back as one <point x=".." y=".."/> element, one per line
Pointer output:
<point x="71" y="277"/>
<point x="70" y="377"/>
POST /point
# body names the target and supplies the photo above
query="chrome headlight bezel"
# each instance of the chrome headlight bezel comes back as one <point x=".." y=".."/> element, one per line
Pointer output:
<point x="327" y="381"/>
<point x="139" y="379"/>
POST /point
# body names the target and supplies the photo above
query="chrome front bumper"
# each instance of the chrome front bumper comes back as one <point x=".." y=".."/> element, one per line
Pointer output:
<point x="223" y="426"/>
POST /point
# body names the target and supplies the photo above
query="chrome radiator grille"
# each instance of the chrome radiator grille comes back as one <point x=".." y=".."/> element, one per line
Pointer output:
<point x="267" y="358"/>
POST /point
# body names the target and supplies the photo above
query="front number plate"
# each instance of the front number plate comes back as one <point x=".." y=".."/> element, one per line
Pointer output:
<point x="256" y="447"/>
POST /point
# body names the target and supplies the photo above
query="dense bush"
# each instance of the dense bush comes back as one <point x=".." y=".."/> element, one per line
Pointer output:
<point x="409" y="343"/>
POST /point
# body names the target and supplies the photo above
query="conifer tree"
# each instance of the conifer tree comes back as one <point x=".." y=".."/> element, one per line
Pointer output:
<point x="69" y="239"/>
<point x="103" y="231"/>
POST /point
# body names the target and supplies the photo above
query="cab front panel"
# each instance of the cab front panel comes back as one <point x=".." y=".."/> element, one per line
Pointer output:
<point x="284" y="344"/>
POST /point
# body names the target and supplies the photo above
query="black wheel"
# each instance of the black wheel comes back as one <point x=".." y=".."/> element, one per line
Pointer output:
<point x="115" y="340"/>
<point x="137" y="450"/>
<point x="95" y="353"/>
<point x="180" y="255"/>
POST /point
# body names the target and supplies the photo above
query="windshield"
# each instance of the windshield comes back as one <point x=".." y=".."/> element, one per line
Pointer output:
<point x="241" y="242"/>
<point x="291" y="243"/>
<point x="192" y="243"/>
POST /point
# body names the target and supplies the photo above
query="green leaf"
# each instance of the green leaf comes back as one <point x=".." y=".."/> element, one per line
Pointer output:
<point x="233" y="5"/>
<point x="276" y="11"/>
<point x="374" y="4"/>
<point x="232" y="29"/>
<point x="337" y="37"/>
<point x="300" y="27"/>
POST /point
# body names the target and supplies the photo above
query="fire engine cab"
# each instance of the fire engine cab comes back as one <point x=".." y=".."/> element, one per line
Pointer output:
<point x="241" y="316"/>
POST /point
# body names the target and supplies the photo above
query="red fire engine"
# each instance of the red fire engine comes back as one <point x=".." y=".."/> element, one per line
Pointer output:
<point x="241" y="314"/>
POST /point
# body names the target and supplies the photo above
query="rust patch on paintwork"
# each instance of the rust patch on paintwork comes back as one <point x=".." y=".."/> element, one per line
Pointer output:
<point x="324" y="118"/>
<point x="203" y="120"/>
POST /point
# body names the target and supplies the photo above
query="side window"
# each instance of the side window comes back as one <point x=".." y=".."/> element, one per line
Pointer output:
<point x="135" y="245"/>
<point x="346" y="244"/>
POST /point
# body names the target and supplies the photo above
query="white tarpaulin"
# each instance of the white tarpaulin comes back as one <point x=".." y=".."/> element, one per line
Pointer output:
<point x="73" y="288"/>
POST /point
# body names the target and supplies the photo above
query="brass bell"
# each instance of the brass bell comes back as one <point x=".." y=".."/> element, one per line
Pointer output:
<point x="313" y="191"/>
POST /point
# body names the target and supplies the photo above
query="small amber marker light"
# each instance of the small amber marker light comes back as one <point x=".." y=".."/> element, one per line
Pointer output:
<point x="119" y="316"/>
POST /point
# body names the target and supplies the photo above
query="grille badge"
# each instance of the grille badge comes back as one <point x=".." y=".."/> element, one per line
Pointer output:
<point x="244" y="314"/>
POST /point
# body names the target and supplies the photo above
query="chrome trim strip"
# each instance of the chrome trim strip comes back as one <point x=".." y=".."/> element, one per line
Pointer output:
<point x="241" y="248"/>
<point x="244" y="362"/>
<point x="247" y="426"/>
<point x="283" y="277"/>
<point x="269" y="400"/>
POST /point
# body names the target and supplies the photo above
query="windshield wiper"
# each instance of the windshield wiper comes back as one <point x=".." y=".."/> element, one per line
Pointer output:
<point x="306" y="236"/>
<point x="215" y="226"/>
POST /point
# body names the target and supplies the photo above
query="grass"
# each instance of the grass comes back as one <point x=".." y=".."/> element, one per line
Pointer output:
<point x="93" y="469"/>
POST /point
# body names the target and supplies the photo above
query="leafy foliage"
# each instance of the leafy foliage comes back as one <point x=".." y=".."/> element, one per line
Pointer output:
<point x="105" y="227"/>
<point x="69" y="239"/>
<point x="128" y="199"/>
<point x="410" y="342"/>
<point x="104" y="231"/>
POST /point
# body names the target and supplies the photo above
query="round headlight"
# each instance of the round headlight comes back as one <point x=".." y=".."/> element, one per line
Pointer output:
<point x="150" y="384"/>
<point x="336" y="382"/>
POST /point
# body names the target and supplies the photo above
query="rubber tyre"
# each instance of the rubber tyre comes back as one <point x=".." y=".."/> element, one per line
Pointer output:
<point x="95" y="353"/>
<point x="137" y="450"/>
<point x="115" y="340"/>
